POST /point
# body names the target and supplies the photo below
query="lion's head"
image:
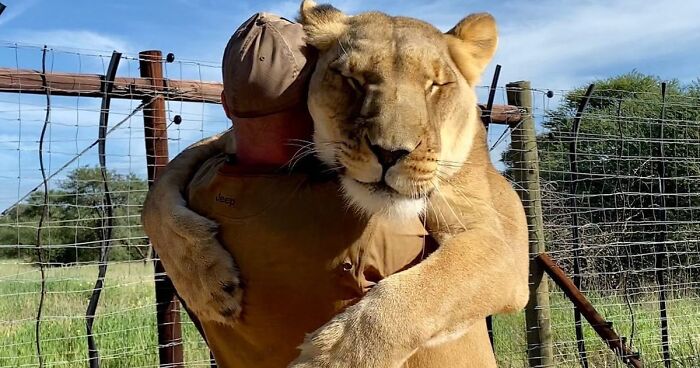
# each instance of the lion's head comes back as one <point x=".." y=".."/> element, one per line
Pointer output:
<point x="393" y="101"/>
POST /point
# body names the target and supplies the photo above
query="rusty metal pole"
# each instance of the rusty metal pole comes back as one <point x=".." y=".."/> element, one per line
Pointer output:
<point x="602" y="327"/>
<point x="526" y="172"/>
<point x="156" y="136"/>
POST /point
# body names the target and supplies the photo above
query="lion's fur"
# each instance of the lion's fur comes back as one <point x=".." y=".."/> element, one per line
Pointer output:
<point x="400" y="84"/>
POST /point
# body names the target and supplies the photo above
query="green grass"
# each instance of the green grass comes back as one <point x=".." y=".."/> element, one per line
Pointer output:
<point x="684" y="327"/>
<point x="126" y="328"/>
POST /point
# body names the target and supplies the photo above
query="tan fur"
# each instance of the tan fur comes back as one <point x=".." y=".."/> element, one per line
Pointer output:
<point x="201" y="269"/>
<point x="400" y="84"/>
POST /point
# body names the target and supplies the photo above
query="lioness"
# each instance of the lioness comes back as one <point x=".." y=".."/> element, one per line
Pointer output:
<point x="395" y="113"/>
<point x="394" y="108"/>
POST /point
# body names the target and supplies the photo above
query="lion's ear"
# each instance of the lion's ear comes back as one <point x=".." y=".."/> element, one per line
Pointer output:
<point x="472" y="44"/>
<point x="323" y="24"/>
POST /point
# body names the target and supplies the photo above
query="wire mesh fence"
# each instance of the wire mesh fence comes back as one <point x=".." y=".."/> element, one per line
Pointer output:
<point x="52" y="236"/>
<point x="619" y="197"/>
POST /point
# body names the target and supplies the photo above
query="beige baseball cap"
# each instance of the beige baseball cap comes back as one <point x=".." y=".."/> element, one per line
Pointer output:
<point x="266" y="66"/>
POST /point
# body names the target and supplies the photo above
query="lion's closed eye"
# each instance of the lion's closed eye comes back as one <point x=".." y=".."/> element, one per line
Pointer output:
<point x="354" y="83"/>
<point x="434" y="86"/>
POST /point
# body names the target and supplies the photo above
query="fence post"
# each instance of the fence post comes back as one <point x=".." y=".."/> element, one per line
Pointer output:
<point x="527" y="177"/>
<point x="170" y="349"/>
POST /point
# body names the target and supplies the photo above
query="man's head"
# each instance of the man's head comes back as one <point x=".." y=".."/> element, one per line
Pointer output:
<point x="266" y="68"/>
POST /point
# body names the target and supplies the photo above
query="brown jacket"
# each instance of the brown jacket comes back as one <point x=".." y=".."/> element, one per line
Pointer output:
<point x="303" y="256"/>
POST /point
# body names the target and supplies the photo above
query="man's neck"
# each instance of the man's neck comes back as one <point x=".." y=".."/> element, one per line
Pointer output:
<point x="262" y="150"/>
<point x="273" y="139"/>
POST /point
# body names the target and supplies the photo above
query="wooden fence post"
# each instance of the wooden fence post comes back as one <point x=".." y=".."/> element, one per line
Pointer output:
<point x="527" y="176"/>
<point x="156" y="136"/>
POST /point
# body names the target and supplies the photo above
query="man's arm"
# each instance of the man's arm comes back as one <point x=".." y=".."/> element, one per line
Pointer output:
<point x="202" y="270"/>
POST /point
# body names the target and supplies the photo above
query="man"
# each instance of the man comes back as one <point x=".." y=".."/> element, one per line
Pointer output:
<point x="303" y="256"/>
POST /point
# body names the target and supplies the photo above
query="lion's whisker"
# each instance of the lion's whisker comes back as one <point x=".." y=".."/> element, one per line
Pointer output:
<point x="459" y="220"/>
<point x="439" y="214"/>
<point x="484" y="204"/>
<point x="299" y="153"/>
<point x="331" y="169"/>
<point x="306" y="148"/>
<point x="300" y="156"/>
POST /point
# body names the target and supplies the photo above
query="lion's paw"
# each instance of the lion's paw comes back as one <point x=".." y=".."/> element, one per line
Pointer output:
<point x="222" y="294"/>
<point x="209" y="282"/>
<point x="323" y="348"/>
<point x="343" y="342"/>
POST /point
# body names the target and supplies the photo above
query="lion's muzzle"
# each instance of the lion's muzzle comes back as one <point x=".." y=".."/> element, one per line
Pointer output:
<point x="387" y="157"/>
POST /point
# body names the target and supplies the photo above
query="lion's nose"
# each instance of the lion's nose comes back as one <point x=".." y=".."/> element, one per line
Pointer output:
<point x="387" y="158"/>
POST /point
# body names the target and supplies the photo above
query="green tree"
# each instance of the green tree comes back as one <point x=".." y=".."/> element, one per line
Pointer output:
<point x="619" y="157"/>
<point x="73" y="229"/>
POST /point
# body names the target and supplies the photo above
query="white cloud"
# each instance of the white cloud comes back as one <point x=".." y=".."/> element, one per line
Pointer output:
<point x="72" y="39"/>
<point x="558" y="43"/>
<point x="15" y="10"/>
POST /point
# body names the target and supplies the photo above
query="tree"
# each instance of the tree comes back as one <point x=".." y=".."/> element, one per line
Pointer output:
<point x="76" y="217"/>
<point x="623" y="146"/>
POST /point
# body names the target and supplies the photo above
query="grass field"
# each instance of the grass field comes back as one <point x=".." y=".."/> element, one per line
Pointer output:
<point x="125" y="325"/>
<point x="126" y="329"/>
<point x="684" y="327"/>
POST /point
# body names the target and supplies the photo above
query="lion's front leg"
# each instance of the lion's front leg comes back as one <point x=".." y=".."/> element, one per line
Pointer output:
<point x="470" y="277"/>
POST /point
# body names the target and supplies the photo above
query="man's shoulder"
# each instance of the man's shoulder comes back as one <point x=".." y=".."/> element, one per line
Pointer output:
<point x="223" y="171"/>
<point x="165" y="196"/>
<point x="222" y="142"/>
<point x="233" y="189"/>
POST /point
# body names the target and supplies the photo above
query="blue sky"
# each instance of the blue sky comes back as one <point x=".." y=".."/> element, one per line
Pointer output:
<point x="555" y="44"/>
